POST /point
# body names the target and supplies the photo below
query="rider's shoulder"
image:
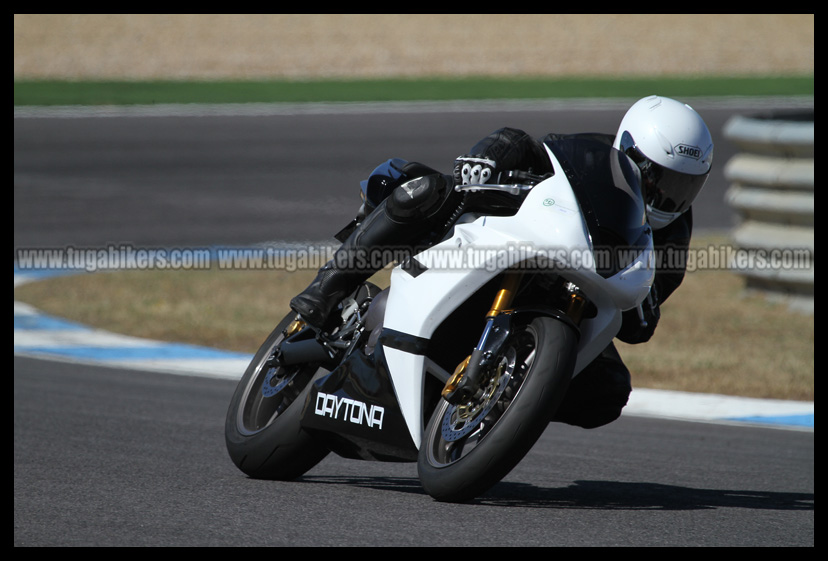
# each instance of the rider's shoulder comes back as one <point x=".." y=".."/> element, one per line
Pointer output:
<point x="595" y="136"/>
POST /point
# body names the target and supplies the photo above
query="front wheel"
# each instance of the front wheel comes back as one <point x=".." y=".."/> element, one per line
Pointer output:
<point x="262" y="430"/>
<point x="468" y="448"/>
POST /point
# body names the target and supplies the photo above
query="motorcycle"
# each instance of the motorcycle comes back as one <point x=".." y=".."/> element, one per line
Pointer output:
<point x="460" y="364"/>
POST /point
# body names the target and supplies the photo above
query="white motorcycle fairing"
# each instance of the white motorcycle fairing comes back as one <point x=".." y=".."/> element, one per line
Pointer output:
<point x="427" y="290"/>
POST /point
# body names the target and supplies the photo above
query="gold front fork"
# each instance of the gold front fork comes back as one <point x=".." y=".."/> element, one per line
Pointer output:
<point x="454" y="380"/>
<point x="502" y="303"/>
<point x="506" y="295"/>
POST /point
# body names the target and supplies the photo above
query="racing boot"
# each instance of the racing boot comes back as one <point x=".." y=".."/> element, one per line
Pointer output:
<point x="362" y="254"/>
<point x="399" y="223"/>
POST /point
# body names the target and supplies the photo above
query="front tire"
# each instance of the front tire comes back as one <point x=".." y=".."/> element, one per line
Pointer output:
<point x="468" y="448"/>
<point x="262" y="429"/>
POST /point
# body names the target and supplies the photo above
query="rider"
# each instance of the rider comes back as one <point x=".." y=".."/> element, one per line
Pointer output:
<point x="408" y="204"/>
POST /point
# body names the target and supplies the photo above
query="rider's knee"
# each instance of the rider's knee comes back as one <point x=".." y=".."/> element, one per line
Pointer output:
<point x="597" y="395"/>
<point x="417" y="199"/>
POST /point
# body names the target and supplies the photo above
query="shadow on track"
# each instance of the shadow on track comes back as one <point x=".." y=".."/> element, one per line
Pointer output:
<point x="606" y="495"/>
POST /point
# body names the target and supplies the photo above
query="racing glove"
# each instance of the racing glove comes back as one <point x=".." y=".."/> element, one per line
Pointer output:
<point x="472" y="169"/>
<point x="639" y="324"/>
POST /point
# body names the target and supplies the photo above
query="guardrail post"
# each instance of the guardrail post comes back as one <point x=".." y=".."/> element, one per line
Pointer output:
<point x="772" y="192"/>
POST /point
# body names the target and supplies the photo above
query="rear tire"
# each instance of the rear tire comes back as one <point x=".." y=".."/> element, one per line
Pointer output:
<point x="262" y="429"/>
<point x="468" y="449"/>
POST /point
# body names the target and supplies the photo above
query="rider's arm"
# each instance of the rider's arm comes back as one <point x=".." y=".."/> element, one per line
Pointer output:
<point x="671" y="244"/>
<point x="513" y="149"/>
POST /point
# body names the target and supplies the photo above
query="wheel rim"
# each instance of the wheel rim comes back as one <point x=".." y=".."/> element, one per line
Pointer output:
<point x="270" y="391"/>
<point x="463" y="427"/>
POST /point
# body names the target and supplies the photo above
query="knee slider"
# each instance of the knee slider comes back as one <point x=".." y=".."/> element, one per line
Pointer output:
<point x="598" y="394"/>
<point x="417" y="199"/>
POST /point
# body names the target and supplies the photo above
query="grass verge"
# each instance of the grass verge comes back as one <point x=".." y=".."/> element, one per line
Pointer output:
<point x="712" y="338"/>
<point x="64" y="92"/>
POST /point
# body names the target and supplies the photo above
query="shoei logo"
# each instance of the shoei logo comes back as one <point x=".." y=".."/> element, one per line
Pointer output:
<point x="349" y="410"/>
<point x="689" y="151"/>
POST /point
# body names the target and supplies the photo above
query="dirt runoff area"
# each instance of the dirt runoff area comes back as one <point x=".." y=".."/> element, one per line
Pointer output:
<point x="298" y="46"/>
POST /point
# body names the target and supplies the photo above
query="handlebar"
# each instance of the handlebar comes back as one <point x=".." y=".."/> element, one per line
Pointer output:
<point x="514" y="182"/>
<point x="512" y="189"/>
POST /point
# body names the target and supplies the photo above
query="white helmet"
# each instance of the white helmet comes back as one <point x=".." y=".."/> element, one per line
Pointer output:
<point x="673" y="149"/>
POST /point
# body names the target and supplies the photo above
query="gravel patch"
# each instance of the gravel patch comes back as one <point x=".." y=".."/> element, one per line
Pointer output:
<point x="299" y="46"/>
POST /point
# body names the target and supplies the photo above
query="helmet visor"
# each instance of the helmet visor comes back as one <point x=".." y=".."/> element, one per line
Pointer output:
<point x="664" y="189"/>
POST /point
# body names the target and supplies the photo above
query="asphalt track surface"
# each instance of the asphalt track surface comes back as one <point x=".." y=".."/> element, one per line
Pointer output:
<point x="119" y="457"/>
<point x="293" y="173"/>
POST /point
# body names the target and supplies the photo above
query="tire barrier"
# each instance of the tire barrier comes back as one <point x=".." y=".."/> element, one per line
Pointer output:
<point x="772" y="192"/>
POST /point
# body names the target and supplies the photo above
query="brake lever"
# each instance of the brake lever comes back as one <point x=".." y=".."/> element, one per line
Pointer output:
<point x="512" y="189"/>
<point x="523" y="182"/>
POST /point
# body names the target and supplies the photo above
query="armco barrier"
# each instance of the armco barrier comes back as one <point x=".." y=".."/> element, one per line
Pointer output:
<point x="772" y="191"/>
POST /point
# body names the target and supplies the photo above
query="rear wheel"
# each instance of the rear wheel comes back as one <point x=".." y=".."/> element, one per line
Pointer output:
<point x="262" y="429"/>
<point x="467" y="448"/>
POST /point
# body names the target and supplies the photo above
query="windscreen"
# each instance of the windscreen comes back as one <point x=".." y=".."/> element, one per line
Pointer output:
<point x="607" y="185"/>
